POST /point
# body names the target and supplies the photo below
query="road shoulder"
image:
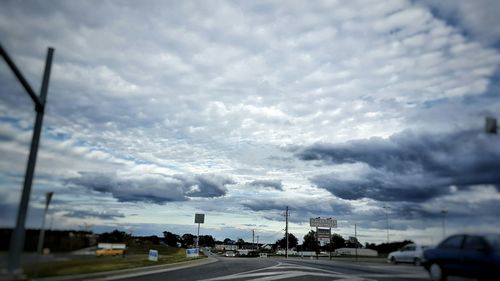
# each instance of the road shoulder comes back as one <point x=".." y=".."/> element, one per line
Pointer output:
<point x="133" y="272"/>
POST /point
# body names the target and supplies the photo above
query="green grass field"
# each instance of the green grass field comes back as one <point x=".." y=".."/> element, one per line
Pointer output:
<point x="135" y="257"/>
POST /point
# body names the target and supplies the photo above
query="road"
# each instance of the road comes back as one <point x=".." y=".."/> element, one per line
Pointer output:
<point x="260" y="269"/>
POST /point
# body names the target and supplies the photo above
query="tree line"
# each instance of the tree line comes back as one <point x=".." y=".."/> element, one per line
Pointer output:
<point x="337" y="241"/>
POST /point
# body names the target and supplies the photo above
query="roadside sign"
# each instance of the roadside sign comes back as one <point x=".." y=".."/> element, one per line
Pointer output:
<point x="199" y="218"/>
<point x="324" y="233"/>
<point x="153" y="255"/>
<point x="319" y="222"/>
<point x="192" y="253"/>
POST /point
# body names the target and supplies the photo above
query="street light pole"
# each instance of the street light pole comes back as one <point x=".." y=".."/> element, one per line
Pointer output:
<point x="18" y="235"/>
<point x="443" y="212"/>
<point x="387" y="219"/>
<point x="48" y="197"/>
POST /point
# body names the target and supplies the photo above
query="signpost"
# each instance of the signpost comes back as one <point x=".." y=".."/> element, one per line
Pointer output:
<point x="319" y="222"/>
<point x="198" y="218"/>
<point x="324" y="233"/>
<point x="192" y="253"/>
<point x="153" y="255"/>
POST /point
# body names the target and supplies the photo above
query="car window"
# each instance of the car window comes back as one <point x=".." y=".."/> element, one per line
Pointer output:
<point x="410" y="248"/>
<point x="474" y="243"/>
<point x="454" y="242"/>
<point x="493" y="241"/>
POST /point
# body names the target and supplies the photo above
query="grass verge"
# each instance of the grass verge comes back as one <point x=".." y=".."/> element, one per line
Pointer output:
<point x="100" y="264"/>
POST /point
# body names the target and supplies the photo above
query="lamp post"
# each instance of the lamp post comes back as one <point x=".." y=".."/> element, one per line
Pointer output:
<point x="18" y="235"/>
<point x="48" y="197"/>
<point x="387" y="219"/>
<point x="443" y="213"/>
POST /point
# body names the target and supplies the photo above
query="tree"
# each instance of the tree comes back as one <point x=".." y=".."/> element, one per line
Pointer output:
<point x="228" y="241"/>
<point x="207" y="241"/>
<point x="292" y="241"/>
<point x="337" y="241"/>
<point x="240" y="243"/>
<point x="115" y="236"/>
<point x="171" y="239"/>
<point x="310" y="242"/>
<point x="353" y="243"/>
<point x="187" y="240"/>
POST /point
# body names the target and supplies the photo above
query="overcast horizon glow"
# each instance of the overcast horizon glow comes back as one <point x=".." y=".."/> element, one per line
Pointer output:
<point x="158" y="110"/>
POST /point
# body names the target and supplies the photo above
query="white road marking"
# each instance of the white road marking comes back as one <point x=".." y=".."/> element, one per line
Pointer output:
<point x="283" y="271"/>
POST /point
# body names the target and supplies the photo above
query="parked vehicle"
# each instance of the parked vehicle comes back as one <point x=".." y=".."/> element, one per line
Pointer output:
<point x="109" y="252"/>
<point x="411" y="253"/>
<point x="229" y="254"/>
<point x="473" y="256"/>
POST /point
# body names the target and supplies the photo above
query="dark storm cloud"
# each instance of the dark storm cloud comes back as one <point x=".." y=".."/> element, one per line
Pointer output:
<point x="408" y="166"/>
<point x="154" y="188"/>
<point x="83" y="214"/>
<point x="476" y="19"/>
<point x="300" y="209"/>
<point x="276" y="184"/>
<point x="205" y="185"/>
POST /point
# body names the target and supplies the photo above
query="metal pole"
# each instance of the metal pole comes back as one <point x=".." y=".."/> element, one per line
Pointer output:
<point x="286" y="232"/>
<point x="20" y="77"/>
<point x="17" y="238"/>
<point x="356" y="240"/>
<point x="253" y="239"/>
<point x="443" y="212"/>
<point x="317" y="244"/>
<point x="387" y="218"/>
<point x="331" y="244"/>
<point x="198" y="237"/>
<point x="41" y="237"/>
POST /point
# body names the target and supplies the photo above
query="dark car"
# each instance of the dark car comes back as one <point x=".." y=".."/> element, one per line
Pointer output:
<point x="476" y="256"/>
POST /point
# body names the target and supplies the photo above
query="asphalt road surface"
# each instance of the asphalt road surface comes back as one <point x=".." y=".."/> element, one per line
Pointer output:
<point x="261" y="269"/>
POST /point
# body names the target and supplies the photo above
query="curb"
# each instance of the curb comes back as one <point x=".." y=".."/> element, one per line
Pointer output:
<point x="132" y="272"/>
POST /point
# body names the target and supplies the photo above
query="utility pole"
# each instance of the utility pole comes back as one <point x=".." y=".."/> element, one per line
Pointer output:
<point x="18" y="235"/>
<point x="286" y="232"/>
<point x="41" y="236"/>
<point x="387" y="218"/>
<point x="443" y="212"/>
<point x="253" y="239"/>
<point x="356" y="238"/>
<point x="258" y="246"/>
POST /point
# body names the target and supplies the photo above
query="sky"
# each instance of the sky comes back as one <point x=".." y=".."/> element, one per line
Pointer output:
<point x="369" y="112"/>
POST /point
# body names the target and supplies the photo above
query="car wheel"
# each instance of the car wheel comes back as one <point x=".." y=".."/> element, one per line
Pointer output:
<point x="436" y="272"/>
<point x="394" y="261"/>
<point x="416" y="261"/>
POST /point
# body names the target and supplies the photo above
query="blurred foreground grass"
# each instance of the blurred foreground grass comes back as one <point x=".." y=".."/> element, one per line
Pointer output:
<point x="136" y="257"/>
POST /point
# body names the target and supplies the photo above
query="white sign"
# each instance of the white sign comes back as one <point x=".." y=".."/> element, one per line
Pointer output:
<point x="192" y="253"/>
<point x="319" y="222"/>
<point x="153" y="255"/>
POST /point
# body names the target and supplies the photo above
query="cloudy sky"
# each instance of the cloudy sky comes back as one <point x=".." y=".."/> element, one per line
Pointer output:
<point x="158" y="110"/>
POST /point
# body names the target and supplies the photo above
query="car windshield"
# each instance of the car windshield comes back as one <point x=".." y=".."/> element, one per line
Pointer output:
<point x="176" y="130"/>
<point x="493" y="241"/>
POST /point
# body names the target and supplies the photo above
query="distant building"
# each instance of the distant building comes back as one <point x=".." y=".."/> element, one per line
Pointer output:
<point x="352" y="252"/>
<point x="224" y="247"/>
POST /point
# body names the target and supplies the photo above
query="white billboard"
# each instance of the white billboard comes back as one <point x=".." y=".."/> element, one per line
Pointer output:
<point x="319" y="222"/>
